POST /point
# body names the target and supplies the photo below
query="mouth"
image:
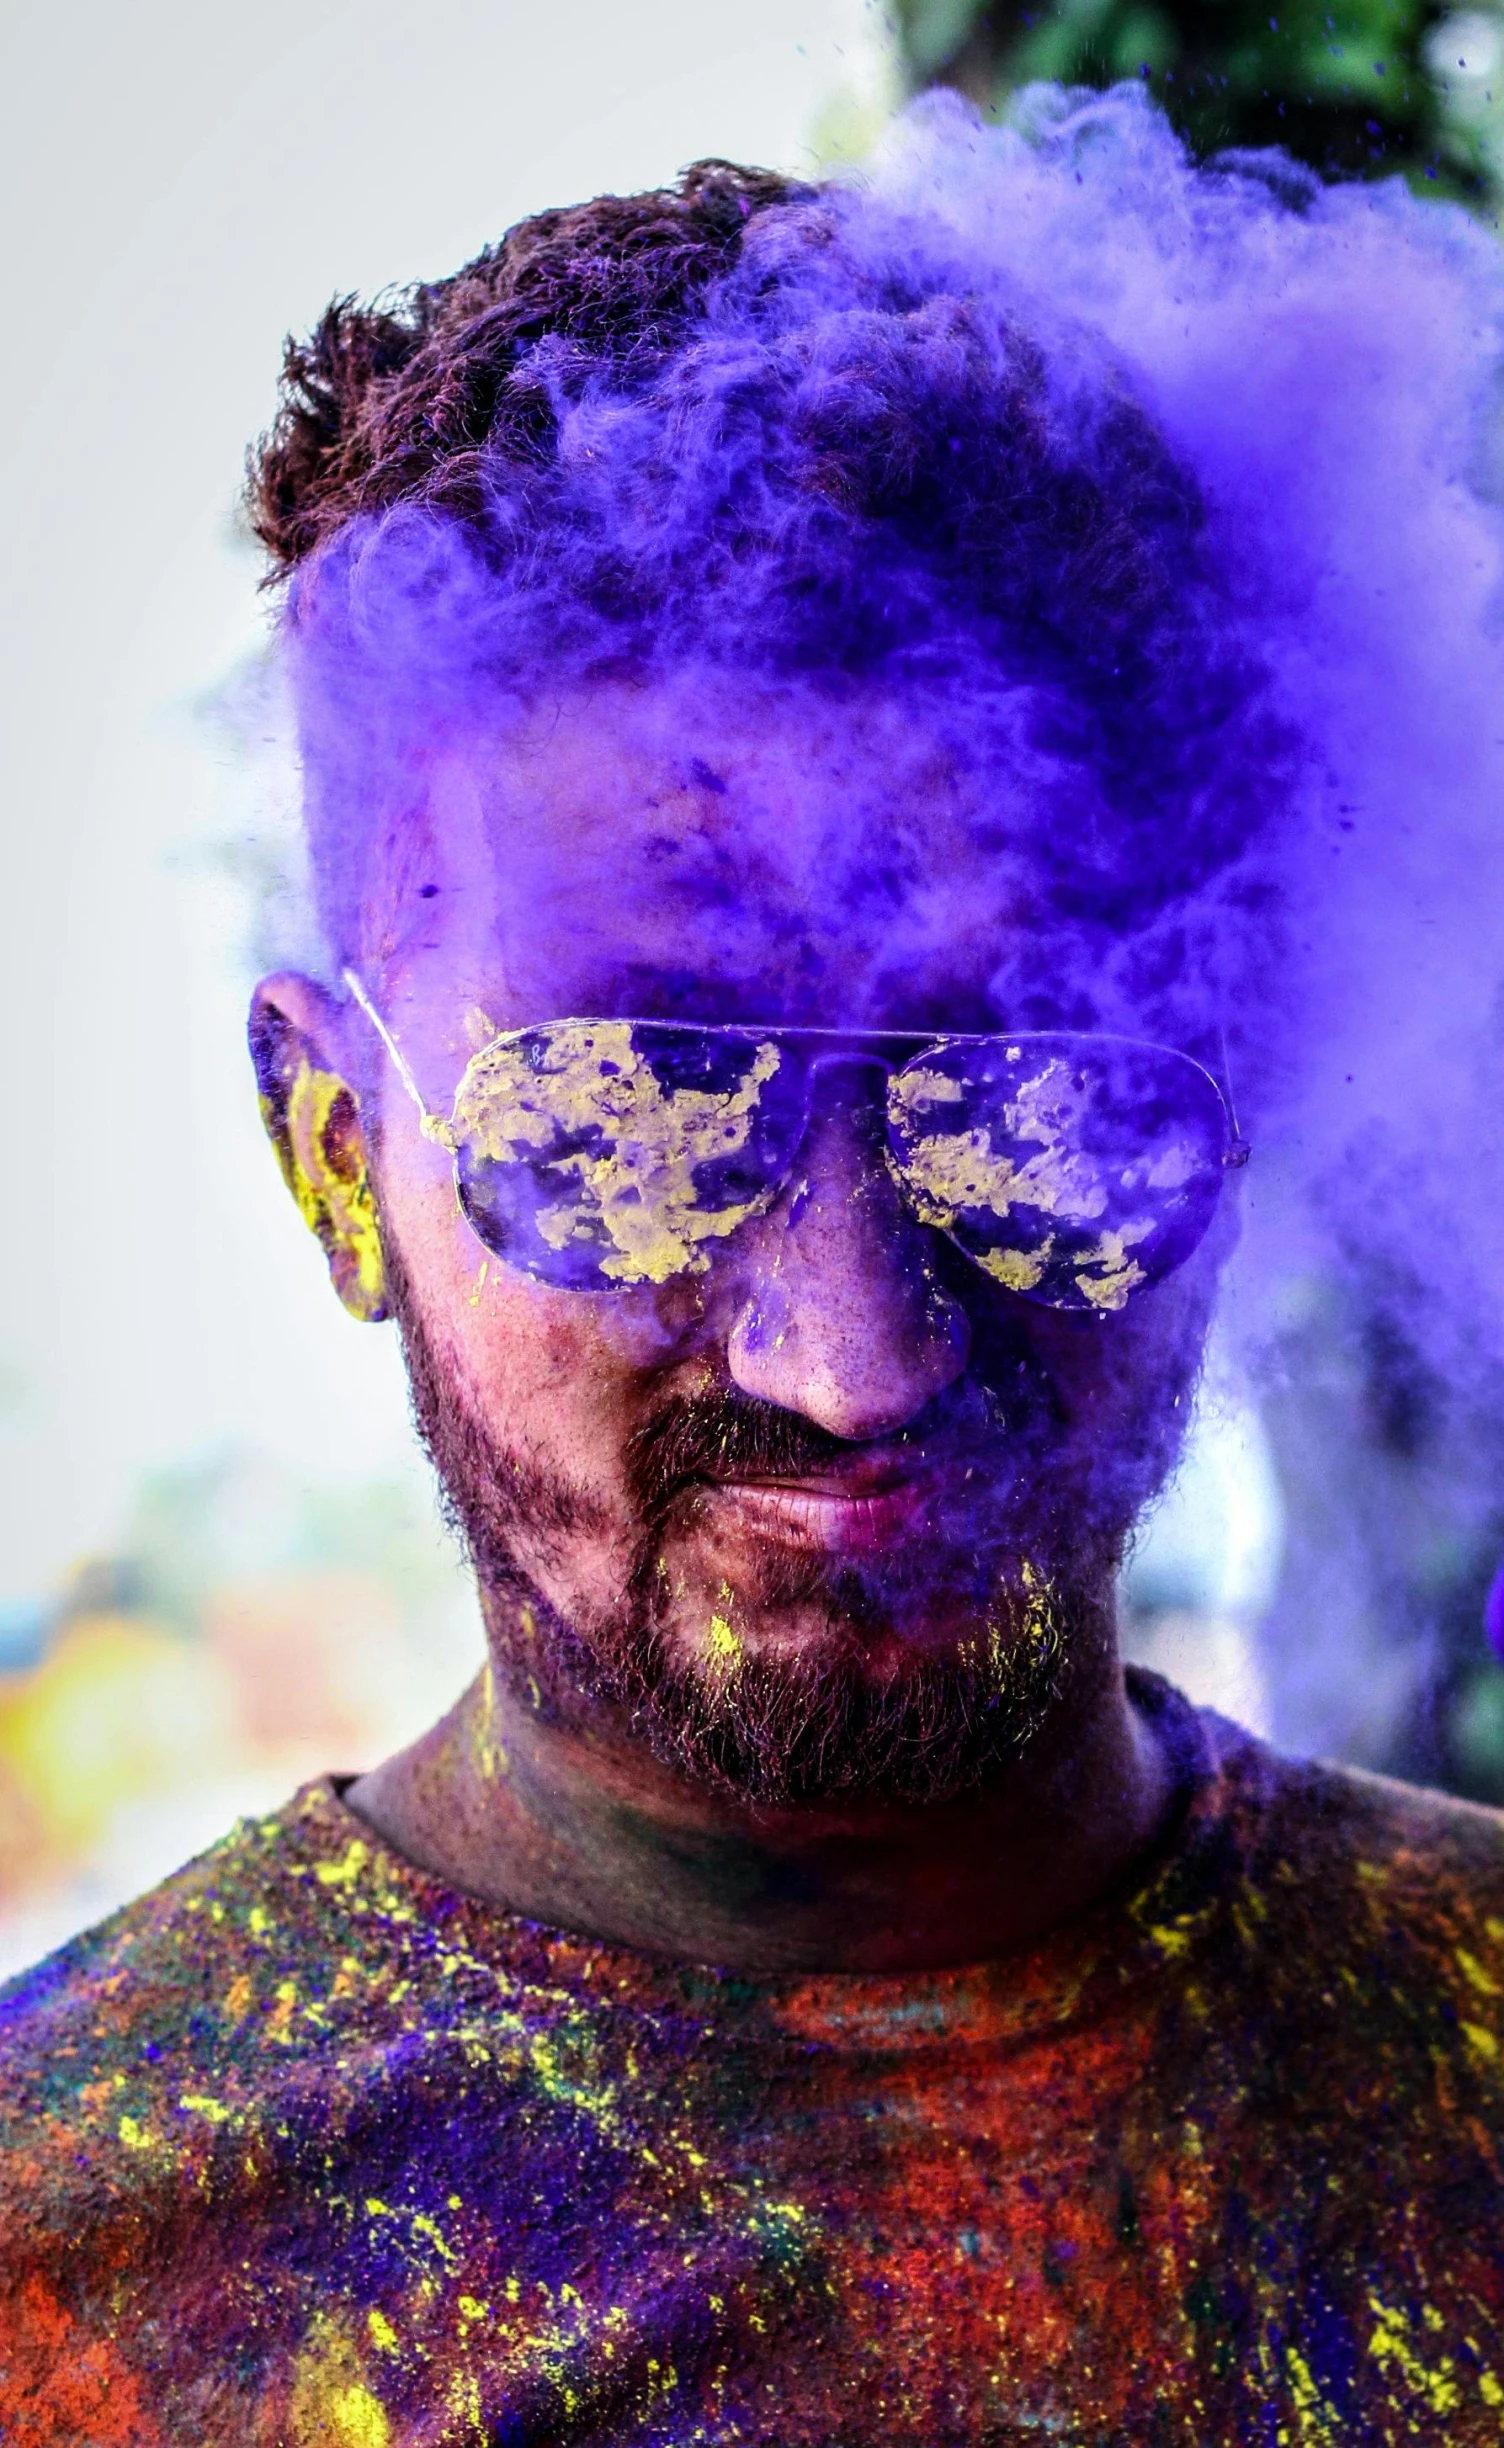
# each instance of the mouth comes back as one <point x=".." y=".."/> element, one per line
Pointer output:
<point x="863" y="1508"/>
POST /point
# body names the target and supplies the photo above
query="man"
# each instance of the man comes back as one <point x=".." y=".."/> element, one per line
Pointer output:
<point x="787" y="788"/>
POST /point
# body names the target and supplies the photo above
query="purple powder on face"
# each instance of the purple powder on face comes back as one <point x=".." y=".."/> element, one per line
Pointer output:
<point x="1493" y="1615"/>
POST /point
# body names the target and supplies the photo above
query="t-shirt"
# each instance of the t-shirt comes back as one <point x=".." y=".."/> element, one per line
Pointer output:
<point x="307" y="2147"/>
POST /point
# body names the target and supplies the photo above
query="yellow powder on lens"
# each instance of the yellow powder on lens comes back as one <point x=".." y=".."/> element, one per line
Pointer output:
<point x="642" y="1192"/>
<point x="1020" y="1270"/>
<point x="945" y="1172"/>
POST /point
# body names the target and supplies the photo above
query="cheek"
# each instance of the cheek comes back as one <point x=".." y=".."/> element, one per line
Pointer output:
<point x="1110" y="1370"/>
<point x="536" y="1371"/>
<point x="553" y="1371"/>
<point x="444" y="1263"/>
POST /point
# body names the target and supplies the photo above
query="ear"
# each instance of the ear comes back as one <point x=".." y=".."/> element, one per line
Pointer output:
<point x="312" y="1118"/>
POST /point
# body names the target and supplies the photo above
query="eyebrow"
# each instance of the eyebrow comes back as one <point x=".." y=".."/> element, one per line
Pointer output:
<point x="645" y="990"/>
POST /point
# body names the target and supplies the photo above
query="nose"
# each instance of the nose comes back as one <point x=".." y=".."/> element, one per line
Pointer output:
<point x="843" y="1318"/>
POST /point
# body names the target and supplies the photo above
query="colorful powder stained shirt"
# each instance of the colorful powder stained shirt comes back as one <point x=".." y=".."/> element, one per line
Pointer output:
<point x="306" y="2148"/>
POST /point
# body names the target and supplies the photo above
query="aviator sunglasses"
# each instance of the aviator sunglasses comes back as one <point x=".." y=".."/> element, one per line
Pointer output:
<point x="1074" y="1169"/>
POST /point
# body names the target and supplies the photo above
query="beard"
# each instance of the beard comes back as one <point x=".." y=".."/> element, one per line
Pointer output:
<point x="774" y="1724"/>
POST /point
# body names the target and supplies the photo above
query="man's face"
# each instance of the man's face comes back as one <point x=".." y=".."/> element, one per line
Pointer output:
<point x="831" y="1514"/>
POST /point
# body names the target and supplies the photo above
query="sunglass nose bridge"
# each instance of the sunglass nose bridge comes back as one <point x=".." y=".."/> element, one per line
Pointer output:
<point x="850" y="1058"/>
<point x="850" y="1082"/>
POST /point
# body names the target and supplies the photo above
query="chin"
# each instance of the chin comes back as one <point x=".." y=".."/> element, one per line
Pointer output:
<point x="870" y="1612"/>
<point x="835" y="1699"/>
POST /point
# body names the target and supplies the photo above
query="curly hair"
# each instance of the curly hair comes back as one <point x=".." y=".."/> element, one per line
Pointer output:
<point x="416" y="399"/>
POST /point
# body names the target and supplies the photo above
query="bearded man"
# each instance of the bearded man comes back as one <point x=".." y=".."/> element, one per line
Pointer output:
<point x="787" y="779"/>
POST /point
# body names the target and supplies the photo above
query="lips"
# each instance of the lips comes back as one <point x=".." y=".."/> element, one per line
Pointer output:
<point x="860" y="1510"/>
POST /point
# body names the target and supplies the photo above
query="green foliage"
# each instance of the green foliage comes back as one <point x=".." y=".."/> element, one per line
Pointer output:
<point x="1362" y="87"/>
<point x="1477" y="1735"/>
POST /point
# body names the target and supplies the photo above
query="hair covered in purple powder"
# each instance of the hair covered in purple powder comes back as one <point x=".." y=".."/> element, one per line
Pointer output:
<point x="856" y="451"/>
<point x="1181" y="481"/>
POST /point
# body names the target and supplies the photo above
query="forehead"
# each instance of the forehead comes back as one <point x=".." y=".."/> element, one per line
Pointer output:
<point x="735" y="852"/>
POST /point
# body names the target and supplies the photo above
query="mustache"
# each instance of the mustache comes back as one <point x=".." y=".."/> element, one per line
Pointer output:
<point x="723" y="1433"/>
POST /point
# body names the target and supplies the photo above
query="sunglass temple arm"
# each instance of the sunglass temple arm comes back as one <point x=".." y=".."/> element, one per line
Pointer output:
<point x="1239" y="1152"/>
<point x="433" y="1125"/>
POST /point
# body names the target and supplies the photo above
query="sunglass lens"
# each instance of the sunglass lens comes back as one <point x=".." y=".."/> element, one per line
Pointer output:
<point x="1075" y="1170"/>
<point x="594" y="1154"/>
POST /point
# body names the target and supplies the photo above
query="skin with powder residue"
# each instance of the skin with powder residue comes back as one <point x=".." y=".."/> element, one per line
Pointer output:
<point x="723" y="1647"/>
<point x="1032" y="1630"/>
<point x="488" y="1749"/>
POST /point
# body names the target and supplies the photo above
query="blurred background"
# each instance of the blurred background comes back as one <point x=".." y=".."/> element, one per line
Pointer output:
<point x="221" y="1568"/>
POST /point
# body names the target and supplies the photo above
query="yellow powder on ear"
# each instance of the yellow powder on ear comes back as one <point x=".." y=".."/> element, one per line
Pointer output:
<point x="339" y="1209"/>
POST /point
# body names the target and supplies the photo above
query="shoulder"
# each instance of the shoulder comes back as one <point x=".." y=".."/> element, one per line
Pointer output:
<point x="292" y="1982"/>
<point x="167" y="2030"/>
<point x="1419" y="1853"/>
<point x="1376" y="1902"/>
<point x="147" y="1977"/>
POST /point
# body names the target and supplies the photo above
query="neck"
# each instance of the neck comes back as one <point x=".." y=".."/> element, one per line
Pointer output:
<point x="580" y="1830"/>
